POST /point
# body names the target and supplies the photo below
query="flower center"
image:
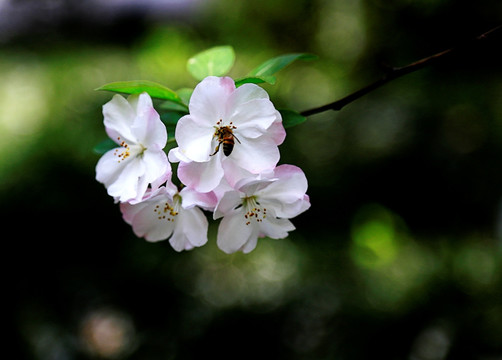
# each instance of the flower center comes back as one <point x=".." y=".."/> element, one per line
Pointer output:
<point x="254" y="211"/>
<point x="167" y="211"/>
<point x="137" y="150"/>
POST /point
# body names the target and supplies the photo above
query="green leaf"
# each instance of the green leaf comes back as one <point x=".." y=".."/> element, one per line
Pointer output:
<point x="255" y="80"/>
<point x="170" y="106"/>
<point x="271" y="66"/>
<point x="291" y="118"/>
<point x="215" y="61"/>
<point x="185" y="94"/>
<point x="104" y="146"/>
<point x="153" y="89"/>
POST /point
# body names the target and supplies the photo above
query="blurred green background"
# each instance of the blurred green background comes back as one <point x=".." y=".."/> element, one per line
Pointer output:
<point x="399" y="256"/>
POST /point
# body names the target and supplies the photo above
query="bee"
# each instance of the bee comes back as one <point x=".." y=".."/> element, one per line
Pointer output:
<point x="226" y="137"/>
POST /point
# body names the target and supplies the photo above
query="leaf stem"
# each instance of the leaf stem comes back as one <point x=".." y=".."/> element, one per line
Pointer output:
<point x="396" y="72"/>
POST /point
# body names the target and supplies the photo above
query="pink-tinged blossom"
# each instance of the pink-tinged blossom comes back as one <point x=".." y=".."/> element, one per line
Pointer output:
<point x="166" y="213"/>
<point x="227" y="129"/>
<point x="135" y="126"/>
<point x="259" y="208"/>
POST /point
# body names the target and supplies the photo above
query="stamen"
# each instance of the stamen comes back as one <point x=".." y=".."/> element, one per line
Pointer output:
<point x="127" y="151"/>
<point x="168" y="212"/>
<point x="254" y="210"/>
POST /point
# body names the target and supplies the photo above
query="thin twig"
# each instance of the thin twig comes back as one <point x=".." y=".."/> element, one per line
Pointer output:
<point x="394" y="73"/>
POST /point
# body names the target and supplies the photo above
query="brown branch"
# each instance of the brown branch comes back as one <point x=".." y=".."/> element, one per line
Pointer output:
<point x="394" y="73"/>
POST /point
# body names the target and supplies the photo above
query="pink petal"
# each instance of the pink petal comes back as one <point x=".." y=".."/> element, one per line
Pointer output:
<point x="192" y="198"/>
<point x="209" y="99"/>
<point x="202" y="176"/>
<point x="291" y="185"/>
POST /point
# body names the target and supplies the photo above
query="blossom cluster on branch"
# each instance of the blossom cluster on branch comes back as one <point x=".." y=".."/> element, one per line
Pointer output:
<point x="227" y="150"/>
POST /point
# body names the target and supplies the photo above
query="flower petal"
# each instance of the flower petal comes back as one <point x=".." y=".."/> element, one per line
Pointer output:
<point x="233" y="233"/>
<point x="253" y="118"/>
<point x="156" y="165"/>
<point x="148" y="129"/>
<point x="108" y="168"/>
<point x="250" y="245"/>
<point x="119" y="116"/>
<point x="192" y="198"/>
<point x="290" y="186"/>
<point x="194" y="139"/>
<point x="122" y="180"/>
<point x="251" y="110"/>
<point x="175" y="156"/>
<point x="190" y="229"/>
<point x="208" y="103"/>
<point x="227" y="204"/>
<point x="255" y="155"/>
<point x="276" y="228"/>
<point x="145" y="220"/>
<point x="276" y="130"/>
<point x="202" y="176"/>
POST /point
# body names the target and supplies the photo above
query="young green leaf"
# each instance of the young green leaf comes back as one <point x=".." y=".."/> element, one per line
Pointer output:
<point x="255" y="80"/>
<point x="153" y="89"/>
<point x="104" y="146"/>
<point x="215" y="61"/>
<point x="271" y="66"/>
<point x="185" y="94"/>
<point x="291" y="118"/>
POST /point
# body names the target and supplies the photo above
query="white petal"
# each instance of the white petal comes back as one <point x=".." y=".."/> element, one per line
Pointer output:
<point x="287" y="210"/>
<point x="148" y="129"/>
<point x="233" y="233"/>
<point x="250" y="245"/>
<point x="108" y="167"/>
<point x="118" y="118"/>
<point x="227" y="204"/>
<point x="256" y="155"/>
<point x="194" y="140"/>
<point x="179" y="241"/>
<point x="246" y="93"/>
<point x="165" y="178"/>
<point x="175" y="156"/>
<point x="126" y="185"/>
<point x="156" y="165"/>
<point x="276" y="228"/>
<point x="253" y="118"/>
<point x="190" y="229"/>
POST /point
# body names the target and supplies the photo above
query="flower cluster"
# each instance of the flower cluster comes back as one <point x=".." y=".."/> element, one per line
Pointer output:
<point x="227" y="153"/>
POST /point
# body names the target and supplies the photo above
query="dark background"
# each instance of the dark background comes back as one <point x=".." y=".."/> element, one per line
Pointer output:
<point x="399" y="256"/>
